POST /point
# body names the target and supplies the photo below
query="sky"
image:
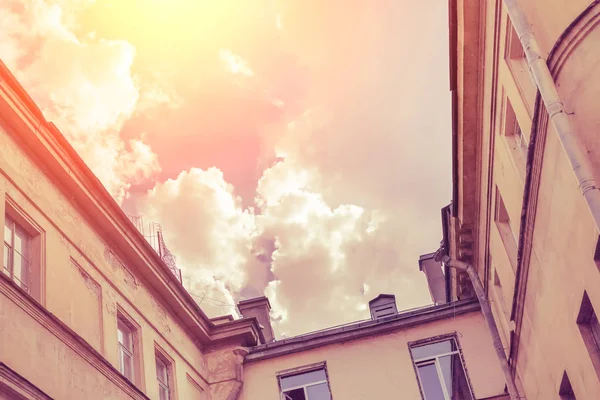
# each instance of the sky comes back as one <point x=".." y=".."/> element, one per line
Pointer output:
<point x="298" y="149"/>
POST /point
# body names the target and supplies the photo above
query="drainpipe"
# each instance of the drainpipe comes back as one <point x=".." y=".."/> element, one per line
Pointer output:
<point x="486" y="310"/>
<point x="574" y="150"/>
<point x="240" y="354"/>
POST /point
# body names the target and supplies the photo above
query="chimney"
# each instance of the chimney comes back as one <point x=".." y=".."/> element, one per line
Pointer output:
<point x="436" y="279"/>
<point x="382" y="306"/>
<point x="258" y="308"/>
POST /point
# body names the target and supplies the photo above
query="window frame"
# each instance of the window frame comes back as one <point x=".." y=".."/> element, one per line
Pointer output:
<point x="136" y="351"/>
<point x="434" y="359"/>
<point x="37" y="249"/>
<point x="585" y="314"/>
<point x="303" y="370"/>
<point x="510" y="238"/>
<point x="161" y="355"/>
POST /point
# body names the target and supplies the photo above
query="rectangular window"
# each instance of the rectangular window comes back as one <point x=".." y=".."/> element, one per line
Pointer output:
<point x="310" y="384"/>
<point x="506" y="230"/>
<point x="163" y="377"/>
<point x="514" y="136"/>
<point x="440" y="370"/>
<point x="517" y="64"/>
<point x="17" y="250"/>
<point x="566" y="391"/>
<point x="126" y="349"/>
<point x="589" y="327"/>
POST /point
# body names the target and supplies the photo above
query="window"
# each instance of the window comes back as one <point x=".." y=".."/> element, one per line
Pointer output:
<point x="589" y="327"/>
<point x="517" y="64"/>
<point x="566" y="391"/>
<point x="163" y="378"/>
<point x="311" y="384"/>
<point x="126" y="348"/>
<point x="505" y="228"/>
<point x="514" y="136"/>
<point x="17" y="245"/>
<point x="440" y="370"/>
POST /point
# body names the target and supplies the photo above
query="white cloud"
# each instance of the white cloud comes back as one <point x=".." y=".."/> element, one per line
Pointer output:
<point x="84" y="85"/>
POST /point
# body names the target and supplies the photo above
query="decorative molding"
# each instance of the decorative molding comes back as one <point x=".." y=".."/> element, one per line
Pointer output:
<point x="66" y="335"/>
<point x="17" y="387"/>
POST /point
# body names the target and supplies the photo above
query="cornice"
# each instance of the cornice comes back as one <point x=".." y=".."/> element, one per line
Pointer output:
<point x="361" y="330"/>
<point x="57" y="158"/>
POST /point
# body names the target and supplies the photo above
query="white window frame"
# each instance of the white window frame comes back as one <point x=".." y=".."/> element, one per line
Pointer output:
<point x="124" y="327"/>
<point x="10" y="268"/>
<point x="161" y="384"/>
<point x="436" y="361"/>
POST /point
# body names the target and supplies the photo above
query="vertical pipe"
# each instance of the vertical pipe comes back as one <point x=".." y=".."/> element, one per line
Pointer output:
<point x="574" y="150"/>
<point x="486" y="310"/>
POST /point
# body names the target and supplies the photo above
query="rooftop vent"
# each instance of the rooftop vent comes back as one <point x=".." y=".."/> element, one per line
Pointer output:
<point x="382" y="306"/>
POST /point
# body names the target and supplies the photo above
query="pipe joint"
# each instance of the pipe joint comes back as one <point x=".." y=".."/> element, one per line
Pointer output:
<point x="587" y="185"/>
<point x="555" y="107"/>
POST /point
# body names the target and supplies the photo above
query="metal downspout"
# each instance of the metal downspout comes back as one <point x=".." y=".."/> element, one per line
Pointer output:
<point x="580" y="163"/>
<point x="486" y="310"/>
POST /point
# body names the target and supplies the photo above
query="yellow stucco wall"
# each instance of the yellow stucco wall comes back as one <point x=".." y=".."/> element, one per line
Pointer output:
<point x="380" y="367"/>
<point x="84" y="282"/>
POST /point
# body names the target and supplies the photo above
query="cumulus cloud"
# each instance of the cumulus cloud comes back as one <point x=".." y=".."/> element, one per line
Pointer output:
<point x="314" y="261"/>
<point x="84" y="85"/>
<point x="360" y="142"/>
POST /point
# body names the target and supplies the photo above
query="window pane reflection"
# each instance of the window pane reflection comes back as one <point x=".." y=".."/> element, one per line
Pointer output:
<point x="318" y="392"/>
<point x="430" y="383"/>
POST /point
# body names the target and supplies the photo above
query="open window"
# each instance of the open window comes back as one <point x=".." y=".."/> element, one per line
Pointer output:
<point x="307" y="383"/>
<point x="440" y="370"/>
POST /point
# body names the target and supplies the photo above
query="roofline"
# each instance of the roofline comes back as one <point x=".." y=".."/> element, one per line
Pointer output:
<point x="45" y="143"/>
<point x="425" y="257"/>
<point x="361" y="330"/>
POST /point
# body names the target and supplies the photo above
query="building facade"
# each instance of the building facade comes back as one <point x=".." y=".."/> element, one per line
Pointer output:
<point x="525" y="91"/>
<point x="441" y="352"/>
<point x="88" y="310"/>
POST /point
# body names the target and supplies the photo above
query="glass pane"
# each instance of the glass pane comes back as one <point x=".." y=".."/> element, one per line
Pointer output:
<point x="455" y="378"/>
<point x="430" y="382"/>
<point x="124" y="334"/>
<point x="303" y="379"/>
<point x="20" y="270"/>
<point x="318" y="392"/>
<point x="296" y="394"/>
<point x="433" y="349"/>
<point x="161" y="371"/>
<point x="126" y="365"/>
<point x="8" y="224"/>
<point x="6" y="263"/>
<point x="21" y="241"/>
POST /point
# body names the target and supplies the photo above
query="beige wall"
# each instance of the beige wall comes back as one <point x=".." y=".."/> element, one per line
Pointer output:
<point x="380" y="367"/>
<point x="83" y="283"/>
<point x="564" y="237"/>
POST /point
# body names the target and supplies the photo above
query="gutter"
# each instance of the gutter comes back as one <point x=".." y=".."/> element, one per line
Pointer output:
<point x="240" y="354"/>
